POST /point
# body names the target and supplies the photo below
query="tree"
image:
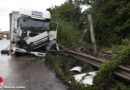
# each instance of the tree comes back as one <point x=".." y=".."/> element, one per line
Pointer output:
<point x="111" y="20"/>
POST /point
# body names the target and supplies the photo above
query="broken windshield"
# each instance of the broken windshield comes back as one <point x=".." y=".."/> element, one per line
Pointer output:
<point x="32" y="24"/>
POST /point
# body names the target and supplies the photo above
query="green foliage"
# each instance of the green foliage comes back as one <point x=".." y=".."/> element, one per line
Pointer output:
<point x="62" y="65"/>
<point x="116" y="47"/>
<point x="77" y="86"/>
<point x="68" y="33"/>
<point x="56" y="65"/>
<point x="121" y="86"/>
<point x="111" y="20"/>
<point x="48" y="58"/>
<point x="67" y="12"/>
<point x="87" y="68"/>
<point x="64" y="12"/>
<point x="110" y="66"/>
<point x="67" y="15"/>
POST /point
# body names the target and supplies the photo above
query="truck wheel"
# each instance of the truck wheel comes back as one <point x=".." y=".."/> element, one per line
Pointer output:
<point x="53" y="47"/>
<point x="18" y="54"/>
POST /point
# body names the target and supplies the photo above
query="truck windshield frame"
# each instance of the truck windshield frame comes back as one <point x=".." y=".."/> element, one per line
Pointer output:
<point x="33" y="24"/>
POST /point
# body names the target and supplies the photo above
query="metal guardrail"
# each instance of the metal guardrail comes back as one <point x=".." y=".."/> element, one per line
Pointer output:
<point x="122" y="71"/>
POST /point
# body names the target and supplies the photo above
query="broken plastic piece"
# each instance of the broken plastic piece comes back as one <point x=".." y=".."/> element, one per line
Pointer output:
<point x="85" y="78"/>
<point x="88" y="80"/>
<point x="77" y="68"/>
<point x="78" y="77"/>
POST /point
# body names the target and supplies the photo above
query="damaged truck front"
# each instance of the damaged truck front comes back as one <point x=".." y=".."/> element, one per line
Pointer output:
<point x="31" y="32"/>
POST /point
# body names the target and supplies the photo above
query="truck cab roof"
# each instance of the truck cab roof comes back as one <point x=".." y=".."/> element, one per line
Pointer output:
<point x="36" y="14"/>
<point x="41" y="15"/>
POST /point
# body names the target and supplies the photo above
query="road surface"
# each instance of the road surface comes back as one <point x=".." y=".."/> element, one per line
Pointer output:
<point x="26" y="73"/>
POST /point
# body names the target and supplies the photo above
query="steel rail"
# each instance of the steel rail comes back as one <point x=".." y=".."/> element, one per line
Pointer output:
<point x="122" y="71"/>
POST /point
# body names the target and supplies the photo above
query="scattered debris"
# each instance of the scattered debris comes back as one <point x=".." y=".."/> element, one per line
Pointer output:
<point x="92" y="73"/>
<point x="69" y="82"/>
<point x="5" y="51"/>
<point x="85" y="78"/>
<point x="77" y="68"/>
<point x="79" y="77"/>
<point x="88" y="80"/>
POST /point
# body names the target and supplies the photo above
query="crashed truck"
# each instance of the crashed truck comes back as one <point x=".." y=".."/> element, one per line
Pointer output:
<point x="32" y="32"/>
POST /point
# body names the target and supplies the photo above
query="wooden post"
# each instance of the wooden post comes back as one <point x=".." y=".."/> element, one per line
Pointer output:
<point x="92" y="34"/>
<point x="82" y="36"/>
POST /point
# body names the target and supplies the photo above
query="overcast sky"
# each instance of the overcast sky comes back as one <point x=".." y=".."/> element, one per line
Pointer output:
<point x="6" y="6"/>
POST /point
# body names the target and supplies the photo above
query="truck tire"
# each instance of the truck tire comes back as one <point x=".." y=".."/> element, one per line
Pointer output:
<point x="18" y="54"/>
<point x="53" y="47"/>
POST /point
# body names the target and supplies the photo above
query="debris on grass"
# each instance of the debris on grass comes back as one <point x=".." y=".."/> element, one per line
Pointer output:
<point x="85" y="78"/>
<point x="88" y="80"/>
<point x="77" y="69"/>
<point x="79" y="77"/>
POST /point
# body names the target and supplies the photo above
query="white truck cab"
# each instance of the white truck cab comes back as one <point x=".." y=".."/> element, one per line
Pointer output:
<point x="30" y="32"/>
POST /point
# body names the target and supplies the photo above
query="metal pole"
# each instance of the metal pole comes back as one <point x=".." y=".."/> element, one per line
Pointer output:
<point x="92" y="34"/>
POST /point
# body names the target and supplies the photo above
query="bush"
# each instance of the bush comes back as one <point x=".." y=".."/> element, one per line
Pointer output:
<point x="107" y="69"/>
<point x="68" y="33"/>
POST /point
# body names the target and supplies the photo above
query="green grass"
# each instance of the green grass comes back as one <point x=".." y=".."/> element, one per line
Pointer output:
<point x="62" y="65"/>
<point x="107" y="69"/>
<point x="121" y="86"/>
<point x="104" y="80"/>
<point x="56" y="64"/>
<point x="117" y="47"/>
<point x="68" y="33"/>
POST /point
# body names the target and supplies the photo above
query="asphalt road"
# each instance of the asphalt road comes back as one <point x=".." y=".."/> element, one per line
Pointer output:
<point x="26" y="73"/>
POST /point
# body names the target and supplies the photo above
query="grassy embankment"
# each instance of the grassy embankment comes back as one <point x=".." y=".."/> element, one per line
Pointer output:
<point x="104" y="79"/>
<point x="62" y="66"/>
<point x="106" y="32"/>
